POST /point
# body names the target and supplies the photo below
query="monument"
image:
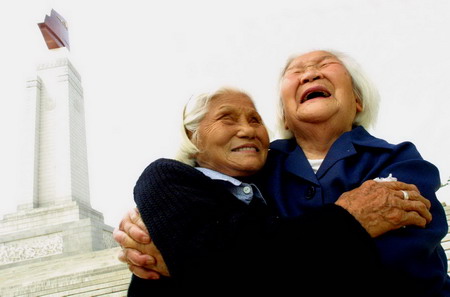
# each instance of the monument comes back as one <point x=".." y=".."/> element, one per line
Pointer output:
<point x="56" y="243"/>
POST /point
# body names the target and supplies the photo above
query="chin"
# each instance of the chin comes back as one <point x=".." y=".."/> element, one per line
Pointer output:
<point x="243" y="173"/>
<point x="248" y="170"/>
<point x="246" y="166"/>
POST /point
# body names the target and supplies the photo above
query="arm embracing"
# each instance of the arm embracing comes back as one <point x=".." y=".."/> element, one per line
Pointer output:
<point x="206" y="235"/>
<point x="416" y="253"/>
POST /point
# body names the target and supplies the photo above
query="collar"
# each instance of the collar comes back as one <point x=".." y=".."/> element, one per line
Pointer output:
<point x="219" y="176"/>
<point x="345" y="146"/>
<point x="242" y="191"/>
<point x="357" y="135"/>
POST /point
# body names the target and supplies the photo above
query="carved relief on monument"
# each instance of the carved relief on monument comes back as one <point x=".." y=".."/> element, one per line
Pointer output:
<point x="32" y="248"/>
<point x="108" y="240"/>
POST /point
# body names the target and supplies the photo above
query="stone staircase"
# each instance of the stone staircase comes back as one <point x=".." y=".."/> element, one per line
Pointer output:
<point x="90" y="274"/>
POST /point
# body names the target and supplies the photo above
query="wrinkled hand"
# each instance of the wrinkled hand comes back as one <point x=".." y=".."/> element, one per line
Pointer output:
<point x="138" y="250"/>
<point x="381" y="207"/>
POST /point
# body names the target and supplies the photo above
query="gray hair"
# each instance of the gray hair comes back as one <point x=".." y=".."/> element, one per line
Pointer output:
<point x="193" y="113"/>
<point x="363" y="87"/>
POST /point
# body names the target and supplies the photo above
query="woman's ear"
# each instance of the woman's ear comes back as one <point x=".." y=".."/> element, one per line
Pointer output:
<point x="193" y="137"/>
<point x="283" y="115"/>
<point x="189" y="134"/>
<point x="359" y="105"/>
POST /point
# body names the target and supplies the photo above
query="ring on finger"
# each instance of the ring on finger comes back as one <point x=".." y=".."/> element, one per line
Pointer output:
<point x="405" y="194"/>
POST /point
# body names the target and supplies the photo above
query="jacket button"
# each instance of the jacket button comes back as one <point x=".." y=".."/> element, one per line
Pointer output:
<point x="310" y="192"/>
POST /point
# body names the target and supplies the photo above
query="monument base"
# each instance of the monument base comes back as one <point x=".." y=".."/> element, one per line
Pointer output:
<point x="50" y="232"/>
<point x="62" y="249"/>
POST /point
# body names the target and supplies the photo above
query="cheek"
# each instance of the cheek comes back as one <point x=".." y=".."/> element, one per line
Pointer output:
<point x="264" y="137"/>
<point x="221" y="146"/>
<point x="288" y="104"/>
<point x="288" y="86"/>
<point x="345" y="81"/>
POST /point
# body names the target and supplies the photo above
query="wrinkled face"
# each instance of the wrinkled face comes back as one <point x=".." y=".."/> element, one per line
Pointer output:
<point x="317" y="88"/>
<point x="232" y="138"/>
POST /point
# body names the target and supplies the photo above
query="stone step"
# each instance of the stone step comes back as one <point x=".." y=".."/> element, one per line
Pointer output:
<point x="112" y="282"/>
<point x="93" y="274"/>
<point x="100" y="284"/>
<point x="98" y="290"/>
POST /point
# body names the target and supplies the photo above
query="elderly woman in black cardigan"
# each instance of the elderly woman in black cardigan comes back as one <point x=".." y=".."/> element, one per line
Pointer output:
<point x="216" y="234"/>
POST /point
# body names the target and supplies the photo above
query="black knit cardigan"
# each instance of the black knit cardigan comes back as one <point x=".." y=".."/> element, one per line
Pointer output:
<point x="212" y="242"/>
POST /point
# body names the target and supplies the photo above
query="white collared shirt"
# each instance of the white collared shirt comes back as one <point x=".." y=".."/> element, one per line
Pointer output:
<point x="315" y="164"/>
<point x="242" y="191"/>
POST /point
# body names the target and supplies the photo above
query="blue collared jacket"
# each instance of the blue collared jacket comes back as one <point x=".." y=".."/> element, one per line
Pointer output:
<point x="413" y="254"/>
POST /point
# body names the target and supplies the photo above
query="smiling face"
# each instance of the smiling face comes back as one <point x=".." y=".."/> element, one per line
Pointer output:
<point x="317" y="88"/>
<point x="232" y="138"/>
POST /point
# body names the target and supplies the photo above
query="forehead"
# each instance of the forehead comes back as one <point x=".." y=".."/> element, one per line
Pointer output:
<point x="237" y="101"/>
<point x="312" y="57"/>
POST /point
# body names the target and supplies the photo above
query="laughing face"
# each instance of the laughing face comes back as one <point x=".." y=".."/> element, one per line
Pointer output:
<point x="232" y="138"/>
<point x="317" y="88"/>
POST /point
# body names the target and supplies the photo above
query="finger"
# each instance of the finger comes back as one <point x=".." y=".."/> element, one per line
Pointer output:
<point x="127" y="241"/>
<point x="137" y="219"/>
<point x="137" y="258"/>
<point x="417" y="207"/>
<point x="135" y="232"/>
<point x="412" y="206"/>
<point x="143" y="273"/>
<point x="413" y="218"/>
<point x="121" y="257"/>
<point x="118" y="236"/>
<point x="397" y="185"/>
<point x="126" y="218"/>
<point x="413" y="196"/>
<point x="417" y="197"/>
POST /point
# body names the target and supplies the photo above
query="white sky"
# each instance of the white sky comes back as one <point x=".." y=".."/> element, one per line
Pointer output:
<point x="141" y="60"/>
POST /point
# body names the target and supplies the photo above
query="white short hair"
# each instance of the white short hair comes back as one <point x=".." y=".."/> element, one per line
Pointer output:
<point x="193" y="113"/>
<point x="363" y="87"/>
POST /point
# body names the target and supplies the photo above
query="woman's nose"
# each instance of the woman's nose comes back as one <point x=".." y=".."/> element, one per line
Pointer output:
<point x="246" y="130"/>
<point x="310" y="74"/>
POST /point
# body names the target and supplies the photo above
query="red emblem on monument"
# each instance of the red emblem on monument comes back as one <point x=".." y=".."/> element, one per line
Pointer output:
<point x="55" y="31"/>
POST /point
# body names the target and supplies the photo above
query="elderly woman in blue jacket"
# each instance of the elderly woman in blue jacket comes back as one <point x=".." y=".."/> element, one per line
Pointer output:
<point x="326" y="103"/>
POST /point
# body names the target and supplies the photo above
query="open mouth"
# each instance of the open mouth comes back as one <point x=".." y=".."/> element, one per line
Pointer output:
<point x="314" y="94"/>
<point x="245" y="149"/>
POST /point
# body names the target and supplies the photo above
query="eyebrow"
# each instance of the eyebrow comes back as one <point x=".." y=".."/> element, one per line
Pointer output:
<point x="234" y="109"/>
<point x="226" y="108"/>
<point x="316" y="61"/>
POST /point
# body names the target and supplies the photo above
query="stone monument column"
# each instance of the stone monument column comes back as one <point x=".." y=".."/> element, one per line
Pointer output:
<point x="54" y="163"/>
<point x="54" y="160"/>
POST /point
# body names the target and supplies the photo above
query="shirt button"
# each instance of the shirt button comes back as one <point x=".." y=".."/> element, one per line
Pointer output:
<point x="310" y="192"/>
<point x="247" y="190"/>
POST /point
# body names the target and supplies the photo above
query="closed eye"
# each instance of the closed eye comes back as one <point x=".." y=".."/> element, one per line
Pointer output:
<point x="328" y="63"/>
<point x="296" y="70"/>
<point x="255" y="120"/>
<point x="227" y="119"/>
